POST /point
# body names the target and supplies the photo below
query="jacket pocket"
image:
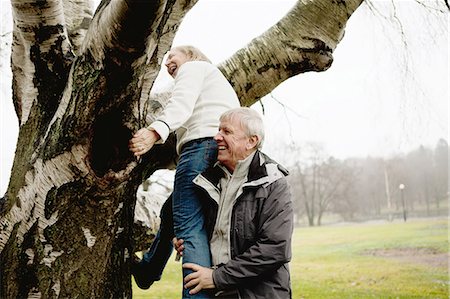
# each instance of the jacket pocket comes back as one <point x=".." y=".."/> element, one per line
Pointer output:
<point x="245" y="220"/>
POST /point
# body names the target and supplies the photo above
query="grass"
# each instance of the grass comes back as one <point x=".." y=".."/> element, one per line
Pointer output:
<point x="341" y="262"/>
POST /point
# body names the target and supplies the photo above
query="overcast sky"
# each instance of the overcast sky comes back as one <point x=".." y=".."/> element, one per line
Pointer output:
<point x="370" y="102"/>
<point x="378" y="98"/>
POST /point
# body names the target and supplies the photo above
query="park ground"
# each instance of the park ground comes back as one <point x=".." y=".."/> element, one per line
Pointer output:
<point x="366" y="260"/>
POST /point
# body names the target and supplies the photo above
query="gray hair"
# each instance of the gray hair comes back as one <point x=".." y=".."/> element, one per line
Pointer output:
<point x="192" y="53"/>
<point x="250" y="121"/>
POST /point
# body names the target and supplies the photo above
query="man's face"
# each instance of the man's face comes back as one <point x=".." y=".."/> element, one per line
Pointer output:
<point x="175" y="59"/>
<point x="233" y="143"/>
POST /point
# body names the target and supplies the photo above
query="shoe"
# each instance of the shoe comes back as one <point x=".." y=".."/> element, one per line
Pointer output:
<point x="142" y="279"/>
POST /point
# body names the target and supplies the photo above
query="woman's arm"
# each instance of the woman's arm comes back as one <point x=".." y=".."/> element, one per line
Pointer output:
<point x="188" y="86"/>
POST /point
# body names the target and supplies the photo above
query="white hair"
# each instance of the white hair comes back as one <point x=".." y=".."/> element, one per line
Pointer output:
<point x="250" y="121"/>
<point x="192" y="53"/>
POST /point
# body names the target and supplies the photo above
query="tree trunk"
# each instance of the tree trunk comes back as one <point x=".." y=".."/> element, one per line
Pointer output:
<point x="81" y="88"/>
<point x="68" y="215"/>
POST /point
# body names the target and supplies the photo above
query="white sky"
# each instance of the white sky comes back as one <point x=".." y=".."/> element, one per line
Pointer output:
<point x="367" y="103"/>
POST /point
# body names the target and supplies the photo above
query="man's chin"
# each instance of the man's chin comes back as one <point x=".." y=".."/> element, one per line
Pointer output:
<point x="221" y="158"/>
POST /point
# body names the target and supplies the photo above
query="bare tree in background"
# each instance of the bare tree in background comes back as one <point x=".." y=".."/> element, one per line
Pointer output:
<point x="355" y="189"/>
<point x="440" y="173"/>
<point x="334" y="183"/>
<point x="320" y="182"/>
<point x="421" y="167"/>
<point x="81" y="85"/>
<point x="371" y="181"/>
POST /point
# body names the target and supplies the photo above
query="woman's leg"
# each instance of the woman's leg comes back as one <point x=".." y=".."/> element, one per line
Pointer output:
<point x="150" y="268"/>
<point x="188" y="216"/>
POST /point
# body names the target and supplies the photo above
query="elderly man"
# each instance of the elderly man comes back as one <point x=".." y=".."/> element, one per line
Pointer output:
<point x="249" y="213"/>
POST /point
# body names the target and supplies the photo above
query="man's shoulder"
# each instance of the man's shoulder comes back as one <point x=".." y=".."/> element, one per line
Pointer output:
<point x="271" y="165"/>
<point x="264" y="171"/>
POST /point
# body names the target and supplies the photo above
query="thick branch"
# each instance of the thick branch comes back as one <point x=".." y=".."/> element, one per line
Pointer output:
<point x="101" y="106"/>
<point x="41" y="56"/>
<point x="122" y="27"/>
<point x="78" y="15"/>
<point x="302" y="41"/>
<point x="40" y="61"/>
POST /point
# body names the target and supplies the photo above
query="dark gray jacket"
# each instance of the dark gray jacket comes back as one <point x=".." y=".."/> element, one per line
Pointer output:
<point x="260" y="232"/>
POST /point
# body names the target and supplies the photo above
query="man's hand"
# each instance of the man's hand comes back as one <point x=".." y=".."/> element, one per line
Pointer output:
<point x="200" y="279"/>
<point x="143" y="141"/>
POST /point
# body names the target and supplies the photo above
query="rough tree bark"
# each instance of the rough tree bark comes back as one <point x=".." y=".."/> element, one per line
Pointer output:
<point x="81" y="86"/>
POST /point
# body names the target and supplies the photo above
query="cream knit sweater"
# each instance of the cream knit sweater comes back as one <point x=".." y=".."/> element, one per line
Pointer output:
<point x="201" y="94"/>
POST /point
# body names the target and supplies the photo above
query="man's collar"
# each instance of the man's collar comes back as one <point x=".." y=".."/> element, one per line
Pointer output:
<point x="241" y="168"/>
<point x="255" y="171"/>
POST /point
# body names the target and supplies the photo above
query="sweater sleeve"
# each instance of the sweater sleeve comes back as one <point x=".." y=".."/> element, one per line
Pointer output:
<point x="272" y="247"/>
<point x="187" y="89"/>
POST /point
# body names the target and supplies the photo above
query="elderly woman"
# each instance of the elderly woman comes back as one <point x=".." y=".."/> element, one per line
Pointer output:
<point x="201" y="94"/>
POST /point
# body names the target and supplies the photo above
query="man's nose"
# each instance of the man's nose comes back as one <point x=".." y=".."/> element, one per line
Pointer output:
<point x="218" y="136"/>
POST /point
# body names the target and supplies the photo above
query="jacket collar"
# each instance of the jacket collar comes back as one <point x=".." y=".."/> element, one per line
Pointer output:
<point x="262" y="171"/>
<point x="257" y="171"/>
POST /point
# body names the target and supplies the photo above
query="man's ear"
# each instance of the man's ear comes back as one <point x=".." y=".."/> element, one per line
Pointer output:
<point x="252" y="142"/>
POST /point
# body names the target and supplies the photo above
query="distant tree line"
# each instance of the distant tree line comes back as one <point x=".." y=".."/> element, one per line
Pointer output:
<point x="361" y="189"/>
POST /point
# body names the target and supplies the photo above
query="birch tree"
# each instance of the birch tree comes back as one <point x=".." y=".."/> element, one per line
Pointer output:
<point x="82" y="85"/>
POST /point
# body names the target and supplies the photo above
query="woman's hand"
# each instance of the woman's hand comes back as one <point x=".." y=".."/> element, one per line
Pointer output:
<point x="179" y="247"/>
<point x="142" y="141"/>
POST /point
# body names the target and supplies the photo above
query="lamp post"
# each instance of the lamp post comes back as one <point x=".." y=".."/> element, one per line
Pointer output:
<point x="402" y="187"/>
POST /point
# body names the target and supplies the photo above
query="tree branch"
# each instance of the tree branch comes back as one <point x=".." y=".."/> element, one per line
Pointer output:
<point x="78" y="15"/>
<point x="124" y="44"/>
<point x="41" y="56"/>
<point x="300" y="42"/>
<point x="121" y="29"/>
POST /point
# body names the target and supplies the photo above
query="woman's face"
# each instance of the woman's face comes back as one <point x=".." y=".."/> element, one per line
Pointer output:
<point x="175" y="59"/>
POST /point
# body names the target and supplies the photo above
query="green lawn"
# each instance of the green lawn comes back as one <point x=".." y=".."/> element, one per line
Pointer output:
<point x="381" y="260"/>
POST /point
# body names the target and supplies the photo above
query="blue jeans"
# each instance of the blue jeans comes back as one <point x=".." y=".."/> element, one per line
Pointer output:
<point x="188" y="220"/>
